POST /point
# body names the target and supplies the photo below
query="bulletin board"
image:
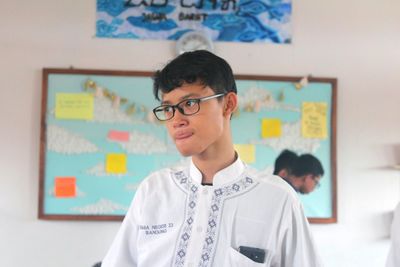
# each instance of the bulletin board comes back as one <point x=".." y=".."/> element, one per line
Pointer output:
<point x="100" y="139"/>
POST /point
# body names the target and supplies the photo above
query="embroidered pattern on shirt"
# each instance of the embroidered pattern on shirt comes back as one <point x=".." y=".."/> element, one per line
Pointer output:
<point x="184" y="238"/>
<point x="219" y="196"/>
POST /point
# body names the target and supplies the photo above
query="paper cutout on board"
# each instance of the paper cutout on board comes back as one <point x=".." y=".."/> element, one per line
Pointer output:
<point x="271" y="128"/>
<point x="146" y="143"/>
<point x="255" y="99"/>
<point x="66" y="141"/>
<point x="119" y="136"/>
<point x="74" y="106"/>
<point x="291" y="139"/>
<point x="314" y="120"/>
<point x="247" y="152"/>
<point x="227" y="21"/>
<point x="65" y="187"/>
<point x="116" y="163"/>
<point x="101" y="207"/>
<point x="99" y="170"/>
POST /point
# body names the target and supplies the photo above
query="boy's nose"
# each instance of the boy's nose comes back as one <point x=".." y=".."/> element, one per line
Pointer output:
<point x="179" y="120"/>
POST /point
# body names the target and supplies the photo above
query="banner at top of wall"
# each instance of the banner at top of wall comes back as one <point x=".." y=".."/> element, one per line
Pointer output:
<point x="224" y="20"/>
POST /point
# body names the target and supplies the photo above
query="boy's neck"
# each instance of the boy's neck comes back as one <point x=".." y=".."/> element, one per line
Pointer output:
<point x="295" y="182"/>
<point x="210" y="165"/>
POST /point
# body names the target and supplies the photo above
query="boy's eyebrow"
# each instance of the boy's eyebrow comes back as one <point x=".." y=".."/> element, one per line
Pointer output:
<point x="188" y="96"/>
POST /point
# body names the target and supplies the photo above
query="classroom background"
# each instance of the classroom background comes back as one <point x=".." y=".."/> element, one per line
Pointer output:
<point x="356" y="42"/>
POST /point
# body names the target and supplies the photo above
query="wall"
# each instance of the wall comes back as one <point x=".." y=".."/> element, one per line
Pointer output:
<point x="356" y="41"/>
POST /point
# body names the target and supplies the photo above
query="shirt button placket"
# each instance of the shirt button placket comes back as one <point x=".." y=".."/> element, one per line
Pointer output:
<point x="205" y="191"/>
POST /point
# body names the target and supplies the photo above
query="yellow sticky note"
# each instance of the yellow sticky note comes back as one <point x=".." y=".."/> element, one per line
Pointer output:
<point x="116" y="163"/>
<point x="314" y="120"/>
<point x="78" y="106"/>
<point x="271" y="128"/>
<point x="246" y="152"/>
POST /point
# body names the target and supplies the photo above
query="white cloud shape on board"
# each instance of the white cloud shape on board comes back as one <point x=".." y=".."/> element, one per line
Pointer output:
<point x="63" y="141"/>
<point x="143" y="143"/>
<point x="106" y="113"/>
<point x="291" y="139"/>
<point x="264" y="98"/>
<point x="103" y="206"/>
<point x="99" y="170"/>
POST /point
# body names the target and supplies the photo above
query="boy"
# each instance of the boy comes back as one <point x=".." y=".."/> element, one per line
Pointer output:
<point x="284" y="163"/>
<point x="217" y="211"/>
<point x="302" y="172"/>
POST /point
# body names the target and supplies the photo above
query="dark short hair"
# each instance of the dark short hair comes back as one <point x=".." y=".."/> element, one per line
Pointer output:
<point x="198" y="66"/>
<point x="285" y="161"/>
<point x="307" y="164"/>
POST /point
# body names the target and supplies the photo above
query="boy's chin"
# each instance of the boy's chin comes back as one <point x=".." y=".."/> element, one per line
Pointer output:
<point x="185" y="153"/>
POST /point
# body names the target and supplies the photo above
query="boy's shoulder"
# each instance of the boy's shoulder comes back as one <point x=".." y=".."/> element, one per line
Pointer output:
<point x="163" y="177"/>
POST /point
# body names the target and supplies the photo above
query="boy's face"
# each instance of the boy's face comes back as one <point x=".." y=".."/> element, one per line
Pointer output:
<point x="310" y="183"/>
<point x="201" y="132"/>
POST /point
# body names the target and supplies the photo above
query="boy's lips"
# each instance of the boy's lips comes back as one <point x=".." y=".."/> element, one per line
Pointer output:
<point x="182" y="135"/>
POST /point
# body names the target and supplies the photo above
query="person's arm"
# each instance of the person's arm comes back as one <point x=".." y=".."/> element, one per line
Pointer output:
<point x="123" y="251"/>
<point x="297" y="244"/>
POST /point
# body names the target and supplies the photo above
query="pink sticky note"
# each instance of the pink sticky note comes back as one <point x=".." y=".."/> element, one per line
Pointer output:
<point x="120" y="136"/>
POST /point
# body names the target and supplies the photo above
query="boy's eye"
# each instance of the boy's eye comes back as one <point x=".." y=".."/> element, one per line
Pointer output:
<point x="190" y="103"/>
<point x="168" y="109"/>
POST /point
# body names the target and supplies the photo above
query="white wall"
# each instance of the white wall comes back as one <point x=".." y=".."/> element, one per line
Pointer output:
<point x="356" y="41"/>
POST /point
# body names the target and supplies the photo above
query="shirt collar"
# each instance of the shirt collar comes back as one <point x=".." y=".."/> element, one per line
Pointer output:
<point x="224" y="176"/>
<point x="287" y="180"/>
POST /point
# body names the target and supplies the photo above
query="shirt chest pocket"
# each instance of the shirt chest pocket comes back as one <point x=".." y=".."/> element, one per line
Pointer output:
<point x="252" y="233"/>
<point x="235" y="259"/>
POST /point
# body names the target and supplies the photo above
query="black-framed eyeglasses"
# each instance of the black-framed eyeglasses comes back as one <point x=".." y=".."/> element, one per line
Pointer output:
<point x="186" y="107"/>
<point x="317" y="181"/>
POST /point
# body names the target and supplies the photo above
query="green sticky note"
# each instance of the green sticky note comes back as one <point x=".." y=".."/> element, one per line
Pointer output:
<point x="74" y="106"/>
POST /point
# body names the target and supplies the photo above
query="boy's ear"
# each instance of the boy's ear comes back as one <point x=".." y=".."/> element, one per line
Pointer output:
<point x="231" y="103"/>
<point x="283" y="173"/>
